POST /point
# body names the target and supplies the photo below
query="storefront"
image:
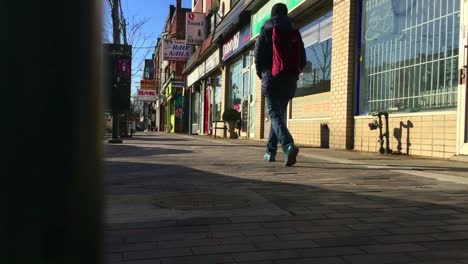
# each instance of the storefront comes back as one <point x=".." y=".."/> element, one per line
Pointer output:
<point x="309" y="110"/>
<point x="213" y="80"/>
<point x="205" y="86"/>
<point x="176" y="107"/>
<point x="408" y="67"/>
<point x="240" y="94"/>
<point x="196" y="99"/>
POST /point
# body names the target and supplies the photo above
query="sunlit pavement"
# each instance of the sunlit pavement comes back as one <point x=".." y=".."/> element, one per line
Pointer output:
<point x="192" y="199"/>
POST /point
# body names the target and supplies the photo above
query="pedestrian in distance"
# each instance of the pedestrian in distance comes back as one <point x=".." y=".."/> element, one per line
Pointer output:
<point x="279" y="59"/>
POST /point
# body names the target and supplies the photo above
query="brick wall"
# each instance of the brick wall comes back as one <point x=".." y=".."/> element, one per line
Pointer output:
<point x="259" y="110"/>
<point x="428" y="135"/>
<point x="306" y="131"/>
<point x="341" y="116"/>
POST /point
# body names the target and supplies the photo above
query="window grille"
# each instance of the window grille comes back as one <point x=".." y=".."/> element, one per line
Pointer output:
<point x="410" y="55"/>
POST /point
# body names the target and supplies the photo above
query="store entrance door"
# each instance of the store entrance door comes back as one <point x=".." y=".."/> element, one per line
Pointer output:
<point x="195" y="111"/>
<point x="463" y="94"/>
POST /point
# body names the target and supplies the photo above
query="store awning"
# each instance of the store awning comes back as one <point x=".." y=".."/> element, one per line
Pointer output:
<point x="191" y="63"/>
<point x="230" y="21"/>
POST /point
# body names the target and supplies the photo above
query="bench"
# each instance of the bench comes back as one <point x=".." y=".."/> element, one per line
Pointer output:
<point x="218" y="124"/>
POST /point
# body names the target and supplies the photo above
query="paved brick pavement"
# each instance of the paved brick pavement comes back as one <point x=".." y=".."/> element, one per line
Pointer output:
<point x="190" y="199"/>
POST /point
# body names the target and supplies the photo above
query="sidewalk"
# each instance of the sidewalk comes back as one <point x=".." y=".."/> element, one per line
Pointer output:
<point x="192" y="199"/>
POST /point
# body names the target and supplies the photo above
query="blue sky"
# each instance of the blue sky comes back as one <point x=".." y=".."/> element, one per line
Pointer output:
<point x="156" y="11"/>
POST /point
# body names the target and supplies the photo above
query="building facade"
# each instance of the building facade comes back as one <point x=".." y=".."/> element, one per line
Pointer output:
<point x="203" y="73"/>
<point x="172" y="112"/>
<point x="363" y="58"/>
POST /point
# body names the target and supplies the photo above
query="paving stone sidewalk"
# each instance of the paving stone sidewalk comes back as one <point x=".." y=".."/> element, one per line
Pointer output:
<point x="188" y="199"/>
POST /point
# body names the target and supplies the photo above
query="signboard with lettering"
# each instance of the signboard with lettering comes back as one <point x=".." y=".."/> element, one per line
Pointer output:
<point x="148" y="84"/>
<point x="264" y="13"/>
<point x="195" y="28"/>
<point x="175" y="50"/>
<point x="146" y="95"/>
<point x="238" y="41"/>
<point x="212" y="61"/>
<point x="192" y="77"/>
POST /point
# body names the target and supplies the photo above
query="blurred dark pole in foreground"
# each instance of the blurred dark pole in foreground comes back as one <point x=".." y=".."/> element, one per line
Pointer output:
<point x="52" y="91"/>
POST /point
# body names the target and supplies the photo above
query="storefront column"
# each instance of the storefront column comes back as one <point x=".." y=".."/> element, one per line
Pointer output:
<point x="342" y="81"/>
<point x="259" y="109"/>
<point x="224" y="73"/>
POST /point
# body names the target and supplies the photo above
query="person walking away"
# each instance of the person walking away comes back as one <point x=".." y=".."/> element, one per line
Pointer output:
<point x="279" y="58"/>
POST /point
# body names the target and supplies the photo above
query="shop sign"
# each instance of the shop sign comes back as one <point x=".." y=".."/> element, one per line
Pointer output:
<point x="238" y="41"/>
<point x="195" y="28"/>
<point x="146" y="95"/>
<point x="178" y="84"/>
<point x="148" y="84"/>
<point x="264" y="13"/>
<point x="201" y="70"/>
<point x="175" y="50"/>
<point x="212" y="61"/>
<point x="192" y="77"/>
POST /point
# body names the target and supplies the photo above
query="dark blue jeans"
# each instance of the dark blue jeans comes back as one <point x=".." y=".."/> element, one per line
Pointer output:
<point x="277" y="107"/>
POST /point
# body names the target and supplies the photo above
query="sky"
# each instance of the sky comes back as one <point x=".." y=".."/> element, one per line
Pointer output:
<point x="156" y="11"/>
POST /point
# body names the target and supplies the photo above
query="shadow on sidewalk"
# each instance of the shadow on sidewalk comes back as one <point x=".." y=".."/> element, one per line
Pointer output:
<point x="348" y="214"/>
<point x="122" y="150"/>
<point x="155" y="139"/>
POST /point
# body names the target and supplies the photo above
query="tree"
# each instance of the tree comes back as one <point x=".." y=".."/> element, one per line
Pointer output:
<point x="323" y="58"/>
<point x="130" y="34"/>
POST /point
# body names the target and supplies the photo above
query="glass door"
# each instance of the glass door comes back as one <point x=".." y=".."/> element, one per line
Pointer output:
<point x="195" y="111"/>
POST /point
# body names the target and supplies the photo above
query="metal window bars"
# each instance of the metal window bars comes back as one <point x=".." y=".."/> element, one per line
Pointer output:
<point x="417" y="68"/>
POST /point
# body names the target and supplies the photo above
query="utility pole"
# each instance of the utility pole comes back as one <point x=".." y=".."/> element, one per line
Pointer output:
<point x="116" y="40"/>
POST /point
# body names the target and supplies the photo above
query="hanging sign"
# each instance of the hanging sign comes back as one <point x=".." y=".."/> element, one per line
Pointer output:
<point x="146" y="95"/>
<point x="148" y="84"/>
<point x="175" y="50"/>
<point x="195" y="28"/>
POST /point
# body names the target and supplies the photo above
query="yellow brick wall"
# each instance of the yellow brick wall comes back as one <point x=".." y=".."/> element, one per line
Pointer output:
<point x="342" y="75"/>
<point x="306" y="131"/>
<point x="428" y="135"/>
<point x="259" y="110"/>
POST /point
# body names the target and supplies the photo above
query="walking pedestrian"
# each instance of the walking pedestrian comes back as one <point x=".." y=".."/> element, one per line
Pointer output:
<point x="279" y="58"/>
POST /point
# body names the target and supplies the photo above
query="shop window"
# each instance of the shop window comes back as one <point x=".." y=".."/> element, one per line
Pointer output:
<point x="409" y="57"/>
<point x="234" y="92"/>
<point x="216" y="98"/>
<point x="313" y="87"/>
